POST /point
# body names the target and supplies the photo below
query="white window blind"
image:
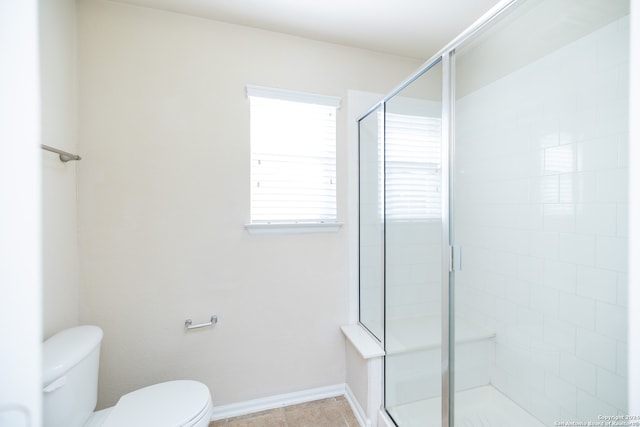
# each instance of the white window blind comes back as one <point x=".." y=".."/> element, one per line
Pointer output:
<point x="412" y="167"/>
<point x="293" y="156"/>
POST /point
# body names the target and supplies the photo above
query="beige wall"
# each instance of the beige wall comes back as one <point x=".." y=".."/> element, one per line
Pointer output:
<point x="164" y="194"/>
<point x="59" y="129"/>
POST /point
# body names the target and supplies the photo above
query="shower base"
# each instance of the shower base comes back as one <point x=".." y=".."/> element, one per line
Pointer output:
<point x="479" y="407"/>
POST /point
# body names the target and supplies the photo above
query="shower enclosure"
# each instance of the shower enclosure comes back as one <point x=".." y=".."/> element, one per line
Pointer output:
<point x="493" y="222"/>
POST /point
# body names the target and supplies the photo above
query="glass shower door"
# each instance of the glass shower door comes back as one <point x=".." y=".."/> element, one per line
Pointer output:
<point x="539" y="210"/>
<point x="371" y="223"/>
<point x="413" y="224"/>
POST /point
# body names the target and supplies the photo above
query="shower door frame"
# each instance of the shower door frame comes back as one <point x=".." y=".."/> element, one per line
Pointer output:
<point x="450" y="262"/>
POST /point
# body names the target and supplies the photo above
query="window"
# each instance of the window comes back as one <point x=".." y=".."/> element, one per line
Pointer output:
<point x="412" y="167"/>
<point x="293" y="157"/>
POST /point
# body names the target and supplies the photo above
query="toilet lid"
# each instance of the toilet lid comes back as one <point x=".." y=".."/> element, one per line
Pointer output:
<point x="169" y="404"/>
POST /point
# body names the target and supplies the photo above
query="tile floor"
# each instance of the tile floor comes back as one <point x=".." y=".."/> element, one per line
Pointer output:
<point x="332" y="412"/>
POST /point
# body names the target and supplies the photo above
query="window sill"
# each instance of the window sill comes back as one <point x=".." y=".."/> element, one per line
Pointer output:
<point x="294" y="228"/>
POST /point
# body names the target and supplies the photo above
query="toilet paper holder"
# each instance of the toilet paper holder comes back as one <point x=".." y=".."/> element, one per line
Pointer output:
<point x="188" y="324"/>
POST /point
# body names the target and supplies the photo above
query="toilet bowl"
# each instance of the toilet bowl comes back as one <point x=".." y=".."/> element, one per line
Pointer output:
<point x="70" y="381"/>
<point x="172" y="403"/>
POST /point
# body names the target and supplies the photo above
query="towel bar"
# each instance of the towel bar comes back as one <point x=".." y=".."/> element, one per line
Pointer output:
<point x="64" y="156"/>
<point x="188" y="323"/>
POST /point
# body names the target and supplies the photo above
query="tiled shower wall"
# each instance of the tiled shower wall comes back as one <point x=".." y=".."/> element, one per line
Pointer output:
<point x="413" y="269"/>
<point x="541" y="215"/>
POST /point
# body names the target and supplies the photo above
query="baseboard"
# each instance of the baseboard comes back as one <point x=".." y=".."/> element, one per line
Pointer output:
<point x="359" y="413"/>
<point x="278" y="401"/>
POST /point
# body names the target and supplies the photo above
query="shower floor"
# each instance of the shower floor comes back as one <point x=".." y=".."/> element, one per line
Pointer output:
<point x="479" y="407"/>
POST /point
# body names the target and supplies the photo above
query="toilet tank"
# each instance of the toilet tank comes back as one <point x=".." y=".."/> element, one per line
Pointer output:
<point x="70" y="376"/>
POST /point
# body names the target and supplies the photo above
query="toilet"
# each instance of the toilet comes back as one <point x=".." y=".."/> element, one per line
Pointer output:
<point x="70" y="390"/>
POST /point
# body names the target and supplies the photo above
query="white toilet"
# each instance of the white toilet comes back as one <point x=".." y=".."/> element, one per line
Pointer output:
<point x="70" y="392"/>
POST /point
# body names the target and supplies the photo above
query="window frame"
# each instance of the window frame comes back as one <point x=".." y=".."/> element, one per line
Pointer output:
<point x="293" y="227"/>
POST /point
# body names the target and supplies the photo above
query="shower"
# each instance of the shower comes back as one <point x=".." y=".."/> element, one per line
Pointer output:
<point x="493" y="222"/>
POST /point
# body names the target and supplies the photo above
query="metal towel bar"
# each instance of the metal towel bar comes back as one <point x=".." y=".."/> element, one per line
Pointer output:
<point x="188" y="324"/>
<point x="64" y="156"/>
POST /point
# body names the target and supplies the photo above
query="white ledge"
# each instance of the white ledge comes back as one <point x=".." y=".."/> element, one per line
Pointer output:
<point x="366" y="345"/>
<point x="294" y="228"/>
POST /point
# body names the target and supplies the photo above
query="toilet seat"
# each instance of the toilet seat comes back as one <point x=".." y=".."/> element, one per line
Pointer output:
<point x="168" y="404"/>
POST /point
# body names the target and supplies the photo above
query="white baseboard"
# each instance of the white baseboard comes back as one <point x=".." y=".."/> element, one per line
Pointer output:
<point x="359" y="413"/>
<point x="278" y="401"/>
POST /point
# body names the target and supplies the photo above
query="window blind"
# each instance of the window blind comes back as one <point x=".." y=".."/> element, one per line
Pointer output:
<point x="412" y="167"/>
<point x="293" y="156"/>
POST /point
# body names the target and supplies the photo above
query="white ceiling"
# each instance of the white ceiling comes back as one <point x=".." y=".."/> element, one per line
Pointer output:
<point x="414" y="28"/>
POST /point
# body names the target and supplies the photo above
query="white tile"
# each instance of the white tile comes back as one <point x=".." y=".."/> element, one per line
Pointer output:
<point x="533" y="378"/>
<point x="559" y="217"/>
<point x="561" y="391"/>
<point x="535" y="162"/>
<point x="512" y="360"/>
<point x="530" y="269"/>
<point x="601" y="153"/>
<point x="567" y="188"/>
<point x="508" y="263"/>
<point x="515" y="165"/>
<point x="505" y="311"/>
<point x="546" y="133"/>
<point x="528" y="217"/>
<point x="510" y="191"/>
<point x="597" y="218"/>
<point x="577" y="310"/>
<point x="577" y="248"/>
<point x="611" y="253"/>
<point x="577" y="187"/>
<point x="612" y="389"/>
<point x="507" y="215"/>
<point x="612" y="185"/>
<point x="578" y="372"/>
<point x="499" y="379"/>
<point x="584" y="187"/>
<point x="509" y="335"/>
<point x="477" y="258"/>
<point x="623" y="289"/>
<point x="580" y="53"/>
<point x="568" y="415"/>
<point x="517" y="241"/>
<point x="530" y="322"/>
<point x="622" y="220"/>
<point x="560" y="275"/>
<point x="622" y="363"/>
<point x="544" y="189"/>
<point x="596" y="348"/>
<point x="611" y="321"/>
<point x="623" y="149"/>
<point x="560" y="334"/>
<point x="545" y="300"/>
<point x="560" y="159"/>
<point x="545" y="409"/>
<point x="612" y="45"/>
<point x="613" y="115"/>
<point x="578" y="121"/>
<point x="544" y="244"/>
<point x="545" y="356"/>
<point x="589" y="407"/>
<point x="519" y="292"/>
<point x="597" y="283"/>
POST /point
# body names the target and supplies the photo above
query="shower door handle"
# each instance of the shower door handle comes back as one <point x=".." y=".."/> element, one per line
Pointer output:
<point x="455" y="258"/>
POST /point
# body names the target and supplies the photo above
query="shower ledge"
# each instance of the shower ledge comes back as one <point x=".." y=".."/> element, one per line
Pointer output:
<point x="367" y="346"/>
<point x="425" y="333"/>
